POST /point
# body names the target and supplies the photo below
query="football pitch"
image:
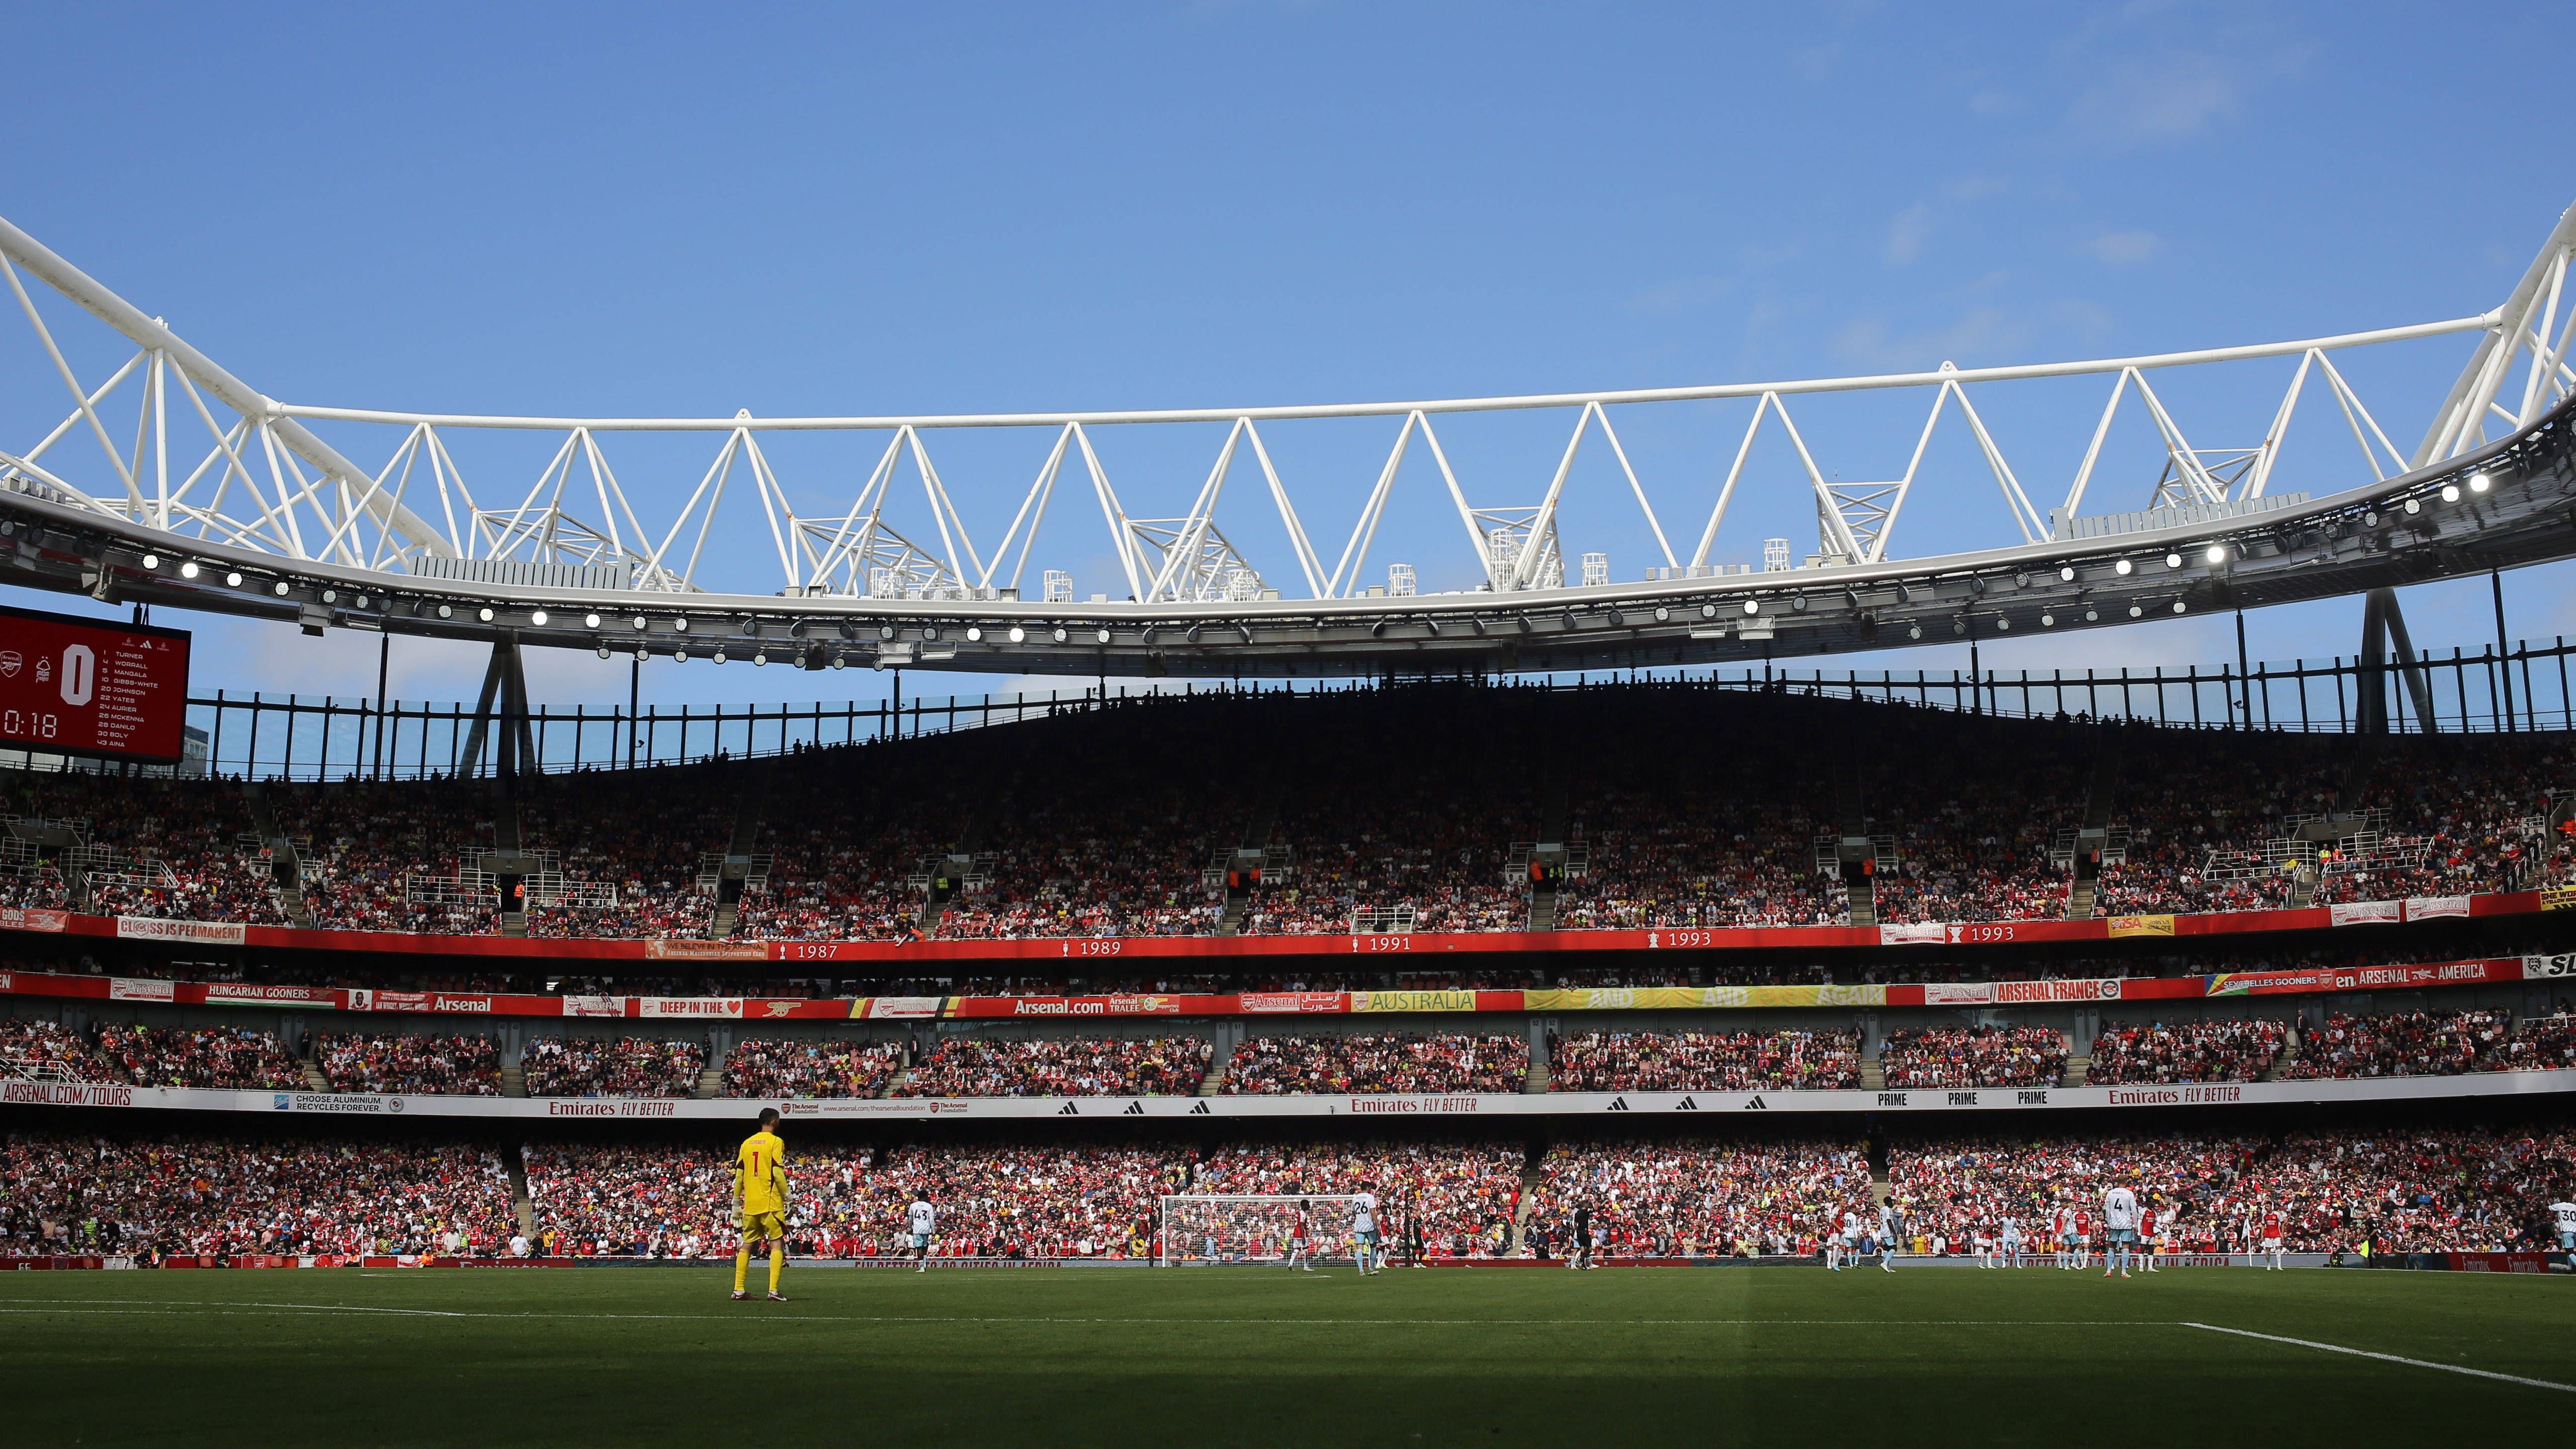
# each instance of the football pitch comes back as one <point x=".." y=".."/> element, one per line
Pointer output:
<point x="1222" y="1357"/>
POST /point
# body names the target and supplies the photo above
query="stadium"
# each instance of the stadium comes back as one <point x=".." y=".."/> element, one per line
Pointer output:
<point x="1803" y="1020"/>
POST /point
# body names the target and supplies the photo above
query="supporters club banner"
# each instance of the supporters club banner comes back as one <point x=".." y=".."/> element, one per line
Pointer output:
<point x="1259" y="1003"/>
<point x="688" y="1008"/>
<point x="2366" y="913"/>
<point x="2122" y="927"/>
<point x="1695" y="998"/>
<point x="2426" y="908"/>
<point x="13" y="918"/>
<point x="689" y="950"/>
<point x="2311" y="980"/>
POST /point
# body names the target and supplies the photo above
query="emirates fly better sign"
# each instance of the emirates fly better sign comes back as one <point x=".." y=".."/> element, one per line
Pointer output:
<point x="88" y="687"/>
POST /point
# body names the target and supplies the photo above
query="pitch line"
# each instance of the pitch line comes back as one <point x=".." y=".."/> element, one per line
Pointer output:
<point x="111" y="1307"/>
<point x="2449" y="1368"/>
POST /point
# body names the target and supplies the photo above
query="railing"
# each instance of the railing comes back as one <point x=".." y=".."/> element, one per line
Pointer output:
<point x="305" y="738"/>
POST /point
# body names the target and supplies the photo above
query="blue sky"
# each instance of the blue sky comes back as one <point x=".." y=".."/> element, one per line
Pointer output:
<point x="631" y="210"/>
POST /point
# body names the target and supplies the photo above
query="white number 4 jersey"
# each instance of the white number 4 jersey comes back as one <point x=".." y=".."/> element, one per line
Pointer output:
<point x="2119" y="1209"/>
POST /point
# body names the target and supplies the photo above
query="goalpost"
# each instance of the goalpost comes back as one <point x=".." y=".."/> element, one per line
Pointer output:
<point x="1206" y="1228"/>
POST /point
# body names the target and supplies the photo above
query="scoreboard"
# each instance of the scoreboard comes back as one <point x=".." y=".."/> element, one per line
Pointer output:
<point x="92" y="687"/>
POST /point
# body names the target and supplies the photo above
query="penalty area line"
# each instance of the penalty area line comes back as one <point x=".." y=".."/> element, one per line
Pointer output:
<point x="2448" y="1368"/>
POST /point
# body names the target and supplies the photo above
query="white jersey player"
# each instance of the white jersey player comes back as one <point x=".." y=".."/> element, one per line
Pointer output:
<point x="1891" y="1235"/>
<point x="1982" y="1239"/>
<point x="1364" y="1246"/>
<point x="2119" y="1229"/>
<point x="921" y="1220"/>
<point x="2009" y="1238"/>
<point x="2565" y="1215"/>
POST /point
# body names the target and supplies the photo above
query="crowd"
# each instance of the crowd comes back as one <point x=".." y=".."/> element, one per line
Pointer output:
<point x="458" y="1066"/>
<point x="963" y="1066"/>
<point x="2455" y="1188"/>
<point x="758" y="1068"/>
<point x="1334" y="1062"/>
<point x="2399" y="1044"/>
<point x="630" y="1066"/>
<point x="670" y="1201"/>
<point x="146" y="847"/>
<point x="1670" y="1199"/>
<point x="1118" y="822"/>
<point x="210" y="1057"/>
<point x="1973" y="1056"/>
<point x="71" y="1192"/>
<point x="1681" y="1061"/>
<point x="2185" y="1051"/>
<point x="1453" y="1198"/>
<point x="2394" y="1188"/>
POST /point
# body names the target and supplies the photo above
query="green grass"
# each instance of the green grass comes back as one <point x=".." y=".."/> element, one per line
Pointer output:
<point x="1223" y="1357"/>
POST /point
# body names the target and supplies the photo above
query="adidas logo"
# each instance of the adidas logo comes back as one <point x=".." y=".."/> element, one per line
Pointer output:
<point x="1757" y="1105"/>
<point x="1068" y="1110"/>
<point x="1618" y="1104"/>
<point x="1134" y="1109"/>
<point x="1687" y="1104"/>
<point x="1200" y="1110"/>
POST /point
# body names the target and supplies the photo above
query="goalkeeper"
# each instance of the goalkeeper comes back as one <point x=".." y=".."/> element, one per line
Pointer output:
<point x="760" y="1192"/>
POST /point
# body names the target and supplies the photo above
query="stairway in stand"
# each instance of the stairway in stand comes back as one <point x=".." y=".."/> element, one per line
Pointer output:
<point x="526" y="1210"/>
<point x="514" y="1081"/>
<point x="2282" y="1063"/>
<point x="314" y="1081"/>
<point x="1872" y="1077"/>
<point x="2079" y="1069"/>
<point x="1213" y="1084"/>
<point x="710" y="1083"/>
<point x="1531" y="1177"/>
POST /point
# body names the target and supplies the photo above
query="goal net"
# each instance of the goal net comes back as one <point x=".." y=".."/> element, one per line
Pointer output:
<point x="1204" y="1228"/>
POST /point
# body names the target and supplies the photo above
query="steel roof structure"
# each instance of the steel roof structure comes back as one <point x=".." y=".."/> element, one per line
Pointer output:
<point x="224" y="499"/>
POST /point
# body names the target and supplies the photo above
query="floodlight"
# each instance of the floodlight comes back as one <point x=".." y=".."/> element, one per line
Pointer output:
<point x="2218" y="551"/>
<point x="2048" y="621"/>
<point x="719" y="656"/>
<point x="1019" y="635"/>
<point x="484" y="614"/>
<point x="2478" y="483"/>
<point x="2450" y="492"/>
<point x="2124" y="568"/>
<point x="152" y="561"/>
<point x="538" y="618"/>
<point x="974" y="634"/>
<point x="2173" y="560"/>
<point x="590" y="621"/>
<point x="232" y="581"/>
<point x="2066" y="574"/>
<point x="1753" y="606"/>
